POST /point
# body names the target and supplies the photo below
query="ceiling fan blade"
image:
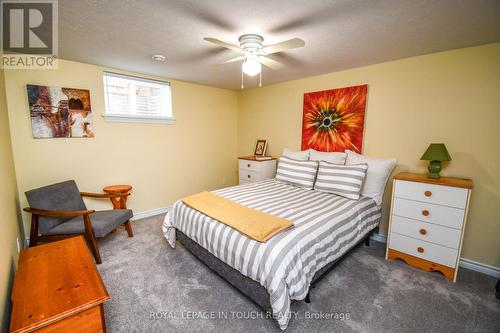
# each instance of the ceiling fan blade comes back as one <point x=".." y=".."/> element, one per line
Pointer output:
<point x="286" y="45"/>
<point x="268" y="62"/>
<point x="232" y="60"/>
<point x="223" y="44"/>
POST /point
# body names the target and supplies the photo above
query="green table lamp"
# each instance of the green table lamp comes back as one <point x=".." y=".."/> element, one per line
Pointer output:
<point x="435" y="154"/>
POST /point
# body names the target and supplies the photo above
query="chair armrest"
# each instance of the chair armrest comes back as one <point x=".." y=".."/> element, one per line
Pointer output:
<point x="57" y="213"/>
<point x="104" y="195"/>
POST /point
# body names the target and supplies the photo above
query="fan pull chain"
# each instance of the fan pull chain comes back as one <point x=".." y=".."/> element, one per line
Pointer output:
<point x="242" y="86"/>
<point x="260" y="79"/>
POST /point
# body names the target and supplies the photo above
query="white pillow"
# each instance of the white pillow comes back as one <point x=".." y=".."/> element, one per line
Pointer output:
<point x="296" y="172"/>
<point x="331" y="157"/>
<point x="296" y="155"/>
<point x="376" y="176"/>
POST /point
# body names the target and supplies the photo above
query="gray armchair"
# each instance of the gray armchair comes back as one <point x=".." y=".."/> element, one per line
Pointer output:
<point x="58" y="211"/>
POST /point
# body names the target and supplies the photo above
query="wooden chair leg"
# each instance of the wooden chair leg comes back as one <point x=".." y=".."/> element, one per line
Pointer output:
<point x="89" y="235"/>
<point x="128" y="226"/>
<point x="93" y="247"/>
<point x="34" y="230"/>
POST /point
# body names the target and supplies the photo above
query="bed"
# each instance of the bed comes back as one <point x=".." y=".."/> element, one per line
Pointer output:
<point x="275" y="273"/>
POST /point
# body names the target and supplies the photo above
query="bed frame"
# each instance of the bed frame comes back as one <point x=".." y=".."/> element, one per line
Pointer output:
<point x="250" y="288"/>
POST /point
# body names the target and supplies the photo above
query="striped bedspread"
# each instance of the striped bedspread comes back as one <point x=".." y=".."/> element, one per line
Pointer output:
<point x="326" y="226"/>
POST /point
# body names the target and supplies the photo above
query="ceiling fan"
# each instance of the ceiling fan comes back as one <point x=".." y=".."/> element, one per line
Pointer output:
<point x="254" y="54"/>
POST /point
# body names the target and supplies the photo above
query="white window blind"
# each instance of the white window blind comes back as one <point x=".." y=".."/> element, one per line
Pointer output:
<point x="130" y="98"/>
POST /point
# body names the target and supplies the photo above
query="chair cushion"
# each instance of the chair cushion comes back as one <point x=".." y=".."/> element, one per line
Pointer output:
<point x="60" y="196"/>
<point x="103" y="222"/>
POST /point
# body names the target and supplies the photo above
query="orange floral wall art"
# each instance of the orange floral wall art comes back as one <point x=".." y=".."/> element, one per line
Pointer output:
<point x="334" y="119"/>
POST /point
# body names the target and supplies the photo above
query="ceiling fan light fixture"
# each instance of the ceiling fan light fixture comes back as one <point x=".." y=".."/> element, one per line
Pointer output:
<point x="254" y="53"/>
<point x="158" y="57"/>
<point x="251" y="67"/>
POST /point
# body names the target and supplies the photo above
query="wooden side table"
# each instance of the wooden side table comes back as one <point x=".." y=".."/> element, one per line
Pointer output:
<point x="57" y="288"/>
<point x="120" y="189"/>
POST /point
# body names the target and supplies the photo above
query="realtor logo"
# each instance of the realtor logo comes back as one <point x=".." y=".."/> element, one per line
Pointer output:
<point x="29" y="34"/>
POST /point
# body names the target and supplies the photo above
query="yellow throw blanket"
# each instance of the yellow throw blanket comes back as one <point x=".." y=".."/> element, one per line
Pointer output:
<point x="250" y="222"/>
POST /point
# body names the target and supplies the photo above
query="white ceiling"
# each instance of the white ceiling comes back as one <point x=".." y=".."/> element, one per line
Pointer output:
<point x="339" y="34"/>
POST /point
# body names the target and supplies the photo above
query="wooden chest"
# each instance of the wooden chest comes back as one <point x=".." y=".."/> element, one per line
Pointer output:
<point x="57" y="288"/>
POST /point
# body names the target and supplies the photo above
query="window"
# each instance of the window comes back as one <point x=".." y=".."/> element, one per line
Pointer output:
<point x="133" y="99"/>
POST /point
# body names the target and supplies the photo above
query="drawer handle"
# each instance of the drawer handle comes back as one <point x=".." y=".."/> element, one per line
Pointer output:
<point x="425" y="212"/>
<point x="420" y="249"/>
<point x="423" y="231"/>
<point x="248" y="165"/>
<point x="427" y="193"/>
<point x="249" y="176"/>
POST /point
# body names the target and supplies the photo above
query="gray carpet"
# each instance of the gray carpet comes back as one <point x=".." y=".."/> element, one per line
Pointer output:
<point x="365" y="293"/>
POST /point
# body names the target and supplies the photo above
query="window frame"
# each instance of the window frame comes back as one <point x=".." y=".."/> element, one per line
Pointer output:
<point x="130" y="118"/>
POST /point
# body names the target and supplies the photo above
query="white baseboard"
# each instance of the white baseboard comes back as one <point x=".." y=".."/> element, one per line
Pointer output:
<point x="465" y="263"/>
<point x="480" y="267"/>
<point x="379" y="238"/>
<point x="149" y="213"/>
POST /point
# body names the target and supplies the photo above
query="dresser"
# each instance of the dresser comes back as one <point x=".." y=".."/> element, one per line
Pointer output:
<point x="427" y="221"/>
<point x="253" y="170"/>
<point x="57" y="288"/>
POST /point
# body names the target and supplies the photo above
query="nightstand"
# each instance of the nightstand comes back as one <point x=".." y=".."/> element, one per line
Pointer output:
<point x="427" y="221"/>
<point x="253" y="170"/>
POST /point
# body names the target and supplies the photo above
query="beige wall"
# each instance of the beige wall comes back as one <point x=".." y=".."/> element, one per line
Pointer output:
<point x="451" y="97"/>
<point x="9" y="229"/>
<point x="163" y="162"/>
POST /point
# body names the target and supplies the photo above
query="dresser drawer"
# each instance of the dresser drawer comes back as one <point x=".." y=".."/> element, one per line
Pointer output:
<point x="435" y="194"/>
<point x="249" y="165"/>
<point x="250" y="176"/>
<point x="428" y="251"/>
<point x="426" y="231"/>
<point x="442" y="215"/>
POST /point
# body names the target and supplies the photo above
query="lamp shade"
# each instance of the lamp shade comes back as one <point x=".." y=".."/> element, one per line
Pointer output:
<point x="251" y="66"/>
<point x="436" y="152"/>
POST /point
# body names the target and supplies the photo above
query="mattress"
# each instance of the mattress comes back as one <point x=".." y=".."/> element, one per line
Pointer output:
<point x="326" y="226"/>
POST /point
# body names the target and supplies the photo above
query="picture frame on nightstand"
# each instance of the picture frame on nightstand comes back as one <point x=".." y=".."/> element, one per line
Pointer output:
<point x="260" y="147"/>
